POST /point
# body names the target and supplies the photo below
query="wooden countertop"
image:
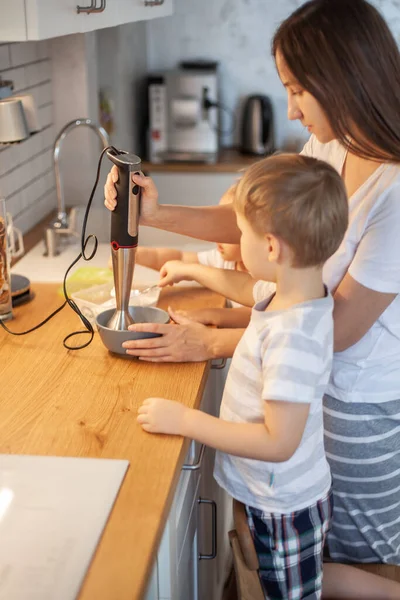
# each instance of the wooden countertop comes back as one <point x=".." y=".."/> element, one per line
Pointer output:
<point x="84" y="404"/>
<point x="230" y="160"/>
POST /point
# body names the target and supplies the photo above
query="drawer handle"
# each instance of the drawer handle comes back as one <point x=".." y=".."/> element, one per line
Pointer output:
<point x="93" y="8"/>
<point x="153" y="2"/>
<point x="195" y="466"/>
<point x="219" y="365"/>
<point x="213" y="505"/>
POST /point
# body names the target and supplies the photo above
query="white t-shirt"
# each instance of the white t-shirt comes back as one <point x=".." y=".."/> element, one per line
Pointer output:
<point x="284" y="356"/>
<point x="368" y="371"/>
<point x="212" y="258"/>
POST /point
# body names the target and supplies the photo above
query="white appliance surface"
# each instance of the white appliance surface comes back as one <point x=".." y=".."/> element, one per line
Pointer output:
<point x="39" y="268"/>
<point x="52" y="513"/>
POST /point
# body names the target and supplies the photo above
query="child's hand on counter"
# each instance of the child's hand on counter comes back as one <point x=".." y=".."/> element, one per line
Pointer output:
<point x="159" y="415"/>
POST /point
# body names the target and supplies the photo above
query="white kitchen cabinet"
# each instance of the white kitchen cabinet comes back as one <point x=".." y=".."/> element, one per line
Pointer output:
<point x="193" y="189"/>
<point x="214" y="573"/>
<point x="175" y="575"/>
<point x="179" y="573"/>
<point x="22" y="20"/>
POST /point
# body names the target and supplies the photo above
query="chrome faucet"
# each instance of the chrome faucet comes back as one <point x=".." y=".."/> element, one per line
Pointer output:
<point x="64" y="224"/>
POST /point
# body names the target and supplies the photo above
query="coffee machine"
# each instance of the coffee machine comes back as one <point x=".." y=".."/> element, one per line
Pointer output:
<point x="183" y="113"/>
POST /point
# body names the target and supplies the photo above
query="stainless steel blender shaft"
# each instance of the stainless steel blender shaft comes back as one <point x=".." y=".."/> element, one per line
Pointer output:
<point x="124" y="235"/>
<point x="123" y="261"/>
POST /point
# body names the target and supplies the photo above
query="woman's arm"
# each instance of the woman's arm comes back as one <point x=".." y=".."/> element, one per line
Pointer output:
<point x="210" y="223"/>
<point x="215" y="223"/>
<point x="185" y="342"/>
<point x="154" y="258"/>
<point x="356" y="310"/>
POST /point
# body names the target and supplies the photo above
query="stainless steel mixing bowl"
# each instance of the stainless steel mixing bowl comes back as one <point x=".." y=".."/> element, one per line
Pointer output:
<point x="113" y="339"/>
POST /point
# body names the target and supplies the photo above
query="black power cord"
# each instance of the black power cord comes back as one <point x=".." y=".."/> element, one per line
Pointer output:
<point x="84" y="241"/>
<point x="207" y="104"/>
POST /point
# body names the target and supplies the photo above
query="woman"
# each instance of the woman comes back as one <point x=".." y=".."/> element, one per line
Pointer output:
<point x="341" y="68"/>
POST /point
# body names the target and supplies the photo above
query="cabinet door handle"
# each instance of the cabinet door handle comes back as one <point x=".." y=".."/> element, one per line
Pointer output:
<point x="88" y="9"/>
<point x="93" y="8"/>
<point x="196" y="465"/>
<point x="213" y="505"/>
<point x="101" y="8"/>
<point x="219" y="365"/>
<point x="153" y="2"/>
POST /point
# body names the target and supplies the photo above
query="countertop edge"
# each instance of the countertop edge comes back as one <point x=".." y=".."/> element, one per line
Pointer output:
<point x="230" y="160"/>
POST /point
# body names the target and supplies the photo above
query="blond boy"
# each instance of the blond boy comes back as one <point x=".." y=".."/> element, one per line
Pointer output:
<point x="292" y="212"/>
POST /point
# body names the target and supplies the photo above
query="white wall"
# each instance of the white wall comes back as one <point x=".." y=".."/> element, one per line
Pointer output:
<point x="113" y="59"/>
<point x="237" y="33"/>
<point x="74" y="73"/>
<point x="122" y="67"/>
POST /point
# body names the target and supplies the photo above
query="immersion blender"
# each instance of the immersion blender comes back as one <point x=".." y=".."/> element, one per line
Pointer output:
<point x="124" y="234"/>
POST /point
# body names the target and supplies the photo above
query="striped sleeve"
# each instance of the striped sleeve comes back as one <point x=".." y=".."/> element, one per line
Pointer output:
<point x="292" y="367"/>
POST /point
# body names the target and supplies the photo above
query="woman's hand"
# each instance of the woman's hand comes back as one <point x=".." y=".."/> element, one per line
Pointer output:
<point x="174" y="271"/>
<point x="186" y="341"/>
<point x="149" y="197"/>
<point x="158" y="415"/>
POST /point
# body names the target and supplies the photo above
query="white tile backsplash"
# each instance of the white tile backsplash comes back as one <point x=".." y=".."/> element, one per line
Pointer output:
<point x="6" y="161"/>
<point x="43" y="50"/>
<point x="44" y="94"/>
<point x="45" y="115"/>
<point x="38" y="72"/>
<point x="17" y="76"/>
<point x="22" y="54"/>
<point x="26" y="169"/>
<point x="36" y="211"/>
<point x="4" y="56"/>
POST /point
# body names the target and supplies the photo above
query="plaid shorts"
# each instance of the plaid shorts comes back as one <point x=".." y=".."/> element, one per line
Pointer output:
<point x="290" y="550"/>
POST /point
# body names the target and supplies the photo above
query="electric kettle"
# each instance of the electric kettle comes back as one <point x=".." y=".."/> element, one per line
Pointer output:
<point x="257" y="126"/>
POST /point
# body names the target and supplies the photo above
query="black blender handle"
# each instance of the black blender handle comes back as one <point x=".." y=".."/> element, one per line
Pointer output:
<point x="120" y="215"/>
<point x="124" y="224"/>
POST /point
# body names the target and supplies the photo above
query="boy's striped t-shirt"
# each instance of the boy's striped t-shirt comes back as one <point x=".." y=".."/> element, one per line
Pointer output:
<point x="283" y="356"/>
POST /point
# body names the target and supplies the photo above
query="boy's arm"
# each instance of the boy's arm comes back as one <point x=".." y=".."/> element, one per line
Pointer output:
<point x="275" y="440"/>
<point x="235" y="285"/>
<point x="219" y="317"/>
<point x="231" y="317"/>
<point x="154" y="258"/>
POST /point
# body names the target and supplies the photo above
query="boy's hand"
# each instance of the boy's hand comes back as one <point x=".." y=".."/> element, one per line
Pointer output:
<point x="205" y="316"/>
<point x="174" y="271"/>
<point x="158" y="415"/>
<point x="149" y="197"/>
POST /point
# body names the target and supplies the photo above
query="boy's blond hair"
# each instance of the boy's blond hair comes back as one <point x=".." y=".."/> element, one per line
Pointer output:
<point x="301" y="200"/>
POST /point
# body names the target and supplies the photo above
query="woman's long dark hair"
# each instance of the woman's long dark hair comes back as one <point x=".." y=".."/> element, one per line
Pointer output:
<point x="343" y="53"/>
